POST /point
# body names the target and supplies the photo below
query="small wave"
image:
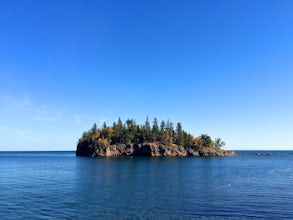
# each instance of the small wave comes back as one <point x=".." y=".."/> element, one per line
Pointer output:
<point x="227" y="185"/>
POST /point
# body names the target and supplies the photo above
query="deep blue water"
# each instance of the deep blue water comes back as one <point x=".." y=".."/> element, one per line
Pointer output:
<point x="58" y="185"/>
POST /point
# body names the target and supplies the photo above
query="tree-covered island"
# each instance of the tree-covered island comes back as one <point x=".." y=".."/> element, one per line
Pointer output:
<point x="156" y="139"/>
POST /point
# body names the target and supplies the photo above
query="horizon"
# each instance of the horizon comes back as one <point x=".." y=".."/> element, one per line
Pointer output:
<point x="220" y="68"/>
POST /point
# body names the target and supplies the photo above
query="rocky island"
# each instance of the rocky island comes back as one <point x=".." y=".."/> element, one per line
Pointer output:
<point x="130" y="139"/>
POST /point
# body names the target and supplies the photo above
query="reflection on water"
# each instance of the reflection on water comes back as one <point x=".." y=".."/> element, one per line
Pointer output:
<point x="60" y="185"/>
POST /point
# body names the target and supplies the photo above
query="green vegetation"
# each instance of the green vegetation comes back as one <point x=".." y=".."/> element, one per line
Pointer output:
<point x="129" y="132"/>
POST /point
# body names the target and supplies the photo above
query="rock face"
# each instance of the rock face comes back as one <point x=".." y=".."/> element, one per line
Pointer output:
<point x="88" y="149"/>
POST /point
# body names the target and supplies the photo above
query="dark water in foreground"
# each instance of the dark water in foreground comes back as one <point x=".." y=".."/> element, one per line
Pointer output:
<point x="58" y="185"/>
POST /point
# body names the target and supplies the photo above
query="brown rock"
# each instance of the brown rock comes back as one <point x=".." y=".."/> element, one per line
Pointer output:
<point x="92" y="149"/>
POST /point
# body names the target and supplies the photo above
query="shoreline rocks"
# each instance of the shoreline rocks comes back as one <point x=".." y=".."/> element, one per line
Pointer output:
<point x="92" y="149"/>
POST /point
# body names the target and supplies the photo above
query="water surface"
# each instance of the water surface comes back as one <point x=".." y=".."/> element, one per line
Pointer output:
<point x="58" y="185"/>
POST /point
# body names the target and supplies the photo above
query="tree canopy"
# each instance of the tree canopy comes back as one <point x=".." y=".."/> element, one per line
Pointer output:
<point x="130" y="132"/>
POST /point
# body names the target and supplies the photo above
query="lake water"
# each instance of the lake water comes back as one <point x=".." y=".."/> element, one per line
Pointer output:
<point x="58" y="185"/>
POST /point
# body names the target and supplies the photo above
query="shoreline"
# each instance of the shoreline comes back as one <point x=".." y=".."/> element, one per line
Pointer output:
<point x="89" y="149"/>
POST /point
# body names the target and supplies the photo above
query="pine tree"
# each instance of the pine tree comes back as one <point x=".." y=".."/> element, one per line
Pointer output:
<point x="118" y="130"/>
<point x="179" y="134"/>
<point x="155" y="130"/>
<point x="188" y="139"/>
<point x="147" y="130"/>
<point x="206" y="140"/>
<point x="94" y="129"/>
<point x="162" y="130"/>
<point x="129" y="132"/>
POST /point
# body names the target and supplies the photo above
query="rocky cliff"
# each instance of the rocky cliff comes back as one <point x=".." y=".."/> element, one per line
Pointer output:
<point x="89" y="149"/>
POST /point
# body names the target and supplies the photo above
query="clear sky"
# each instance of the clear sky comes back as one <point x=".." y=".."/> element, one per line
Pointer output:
<point x="219" y="67"/>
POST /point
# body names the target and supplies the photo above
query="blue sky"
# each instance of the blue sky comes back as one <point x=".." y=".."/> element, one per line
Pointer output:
<point x="220" y="67"/>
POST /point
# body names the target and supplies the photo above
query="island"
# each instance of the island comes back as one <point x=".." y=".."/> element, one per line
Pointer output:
<point x="156" y="140"/>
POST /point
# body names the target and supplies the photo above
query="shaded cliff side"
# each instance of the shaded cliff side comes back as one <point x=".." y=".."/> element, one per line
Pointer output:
<point x="92" y="149"/>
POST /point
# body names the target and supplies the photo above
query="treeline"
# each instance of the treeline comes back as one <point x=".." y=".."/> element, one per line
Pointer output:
<point x="164" y="133"/>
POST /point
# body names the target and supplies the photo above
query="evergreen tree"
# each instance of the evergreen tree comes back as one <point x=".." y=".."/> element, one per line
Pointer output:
<point x="179" y="134"/>
<point x="137" y="136"/>
<point x="142" y="134"/>
<point x="147" y="130"/>
<point x="206" y="140"/>
<point x="188" y="139"/>
<point x="129" y="123"/>
<point x="131" y="133"/>
<point x="118" y="130"/>
<point x="94" y="129"/>
<point x="162" y="130"/>
<point x="104" y="125"/>
<point x="170" y="130"/>
<point x="155" y="130"/>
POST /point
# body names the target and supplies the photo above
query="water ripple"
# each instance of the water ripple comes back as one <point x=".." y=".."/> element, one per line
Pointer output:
<point x="60" y="186"/>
